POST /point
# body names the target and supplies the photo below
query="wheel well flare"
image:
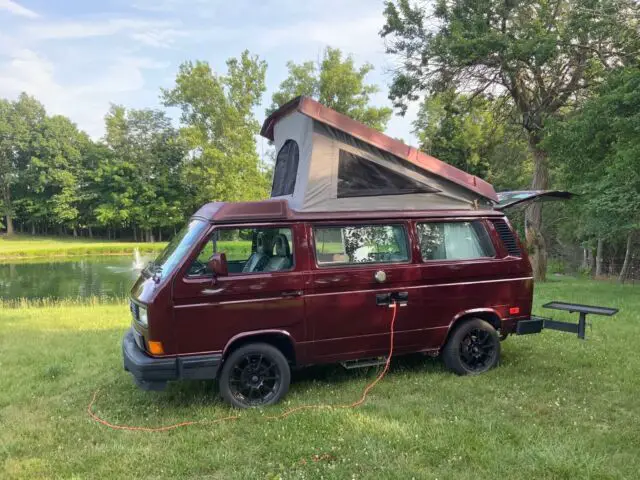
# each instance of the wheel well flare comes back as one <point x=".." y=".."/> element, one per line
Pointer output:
<point x="279" y="340"/>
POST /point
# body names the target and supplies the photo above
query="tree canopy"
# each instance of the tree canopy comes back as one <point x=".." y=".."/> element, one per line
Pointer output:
<point x="470" y="132"/>
<point x="219" y="128"/>
<point x="598" y="150"/>
<point x="336" y="82"/>
<point x="543" y="55"/>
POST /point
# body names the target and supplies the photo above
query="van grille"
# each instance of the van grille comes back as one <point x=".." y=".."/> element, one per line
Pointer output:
<point x="135" y="312"/>
<point x="507" y="238"/>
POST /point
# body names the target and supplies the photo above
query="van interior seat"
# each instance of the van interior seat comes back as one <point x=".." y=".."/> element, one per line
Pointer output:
<point x="281" y="259"/>
<point x="258" y="259"/>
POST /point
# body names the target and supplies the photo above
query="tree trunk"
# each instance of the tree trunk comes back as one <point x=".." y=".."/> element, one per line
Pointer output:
<point x="75" y="232"/>
<point x="599" y="259"/>
<point x="159" y="234"/>
<point x="627" y="260"/>
<point x="590" y="260"/>
<point x="135" y="234"/>
<point x="533" y="216"/>
<point x="584" y="259"/>
<point x="7" y="209"/>
<point x="90" y="232"/>
<point x="150" y="235"/>
<point x="33" y="229"/>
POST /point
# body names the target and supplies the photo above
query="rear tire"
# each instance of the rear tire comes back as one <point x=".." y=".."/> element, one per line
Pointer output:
<point x="254" y="375"/>
<point x="473" y="348"/>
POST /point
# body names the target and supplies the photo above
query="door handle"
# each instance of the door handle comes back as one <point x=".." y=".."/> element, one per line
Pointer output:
<point x="399" y="298"/>
<point x="383" y="299"/>
<point x="291" y="293"/>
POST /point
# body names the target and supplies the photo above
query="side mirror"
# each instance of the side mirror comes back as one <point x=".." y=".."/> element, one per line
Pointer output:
<point x="218" y="265"/>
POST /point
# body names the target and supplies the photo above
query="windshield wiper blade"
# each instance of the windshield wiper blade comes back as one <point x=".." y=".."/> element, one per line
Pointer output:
<point x="155" y="270"/>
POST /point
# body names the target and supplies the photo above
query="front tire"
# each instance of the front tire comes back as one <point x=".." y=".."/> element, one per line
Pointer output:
<point x="254" y="375"/>
<point x="473" y="348"/>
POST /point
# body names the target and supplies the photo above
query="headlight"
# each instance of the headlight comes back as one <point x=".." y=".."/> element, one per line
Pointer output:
<point x="143" y="318"/>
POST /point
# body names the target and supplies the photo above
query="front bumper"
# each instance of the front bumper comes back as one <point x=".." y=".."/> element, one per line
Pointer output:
<point x="153" y="373"/>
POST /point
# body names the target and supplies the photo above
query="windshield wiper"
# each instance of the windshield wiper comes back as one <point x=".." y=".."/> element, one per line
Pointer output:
<point x="155" y="270"/>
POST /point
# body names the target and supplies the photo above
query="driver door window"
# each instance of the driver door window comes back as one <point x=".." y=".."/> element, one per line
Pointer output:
<point x="248" y="250"/>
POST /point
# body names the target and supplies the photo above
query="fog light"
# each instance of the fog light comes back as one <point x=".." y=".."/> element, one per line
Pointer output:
<point x="155" y="348"/>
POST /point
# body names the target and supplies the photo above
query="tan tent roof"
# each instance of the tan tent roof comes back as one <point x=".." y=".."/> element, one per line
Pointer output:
<point x="338" y="121"/>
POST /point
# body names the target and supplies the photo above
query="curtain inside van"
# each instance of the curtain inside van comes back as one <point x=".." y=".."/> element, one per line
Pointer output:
<point x="461" y="241"/>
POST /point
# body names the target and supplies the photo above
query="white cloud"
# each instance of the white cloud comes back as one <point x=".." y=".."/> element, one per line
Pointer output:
<point x="17" y="9"/>
<point x="85" y="102"/>
<point x="351" y="34"/>
<point x="148" y="32"/>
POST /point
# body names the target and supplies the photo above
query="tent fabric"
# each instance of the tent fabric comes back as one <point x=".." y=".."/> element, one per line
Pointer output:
<point x="339" y="172"/>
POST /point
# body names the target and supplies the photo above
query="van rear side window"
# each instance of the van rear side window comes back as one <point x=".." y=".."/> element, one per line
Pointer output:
<point x="454" y="241"/>
<point x="360" y="244"/>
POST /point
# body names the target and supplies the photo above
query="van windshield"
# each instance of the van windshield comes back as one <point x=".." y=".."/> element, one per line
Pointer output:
<point x="175" y="251"/>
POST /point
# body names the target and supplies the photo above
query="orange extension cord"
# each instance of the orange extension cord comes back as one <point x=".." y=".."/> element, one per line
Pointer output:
<point x="355" y="404"/>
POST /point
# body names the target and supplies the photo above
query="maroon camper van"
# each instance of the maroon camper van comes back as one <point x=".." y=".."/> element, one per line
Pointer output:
<point x="357" y="221"/>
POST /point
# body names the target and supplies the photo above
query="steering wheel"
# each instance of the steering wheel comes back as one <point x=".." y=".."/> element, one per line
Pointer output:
<point x="198" y="268"/>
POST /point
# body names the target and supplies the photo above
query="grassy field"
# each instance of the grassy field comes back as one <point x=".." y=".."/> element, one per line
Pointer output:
<point x="555" y="408"/>
<point x="24" y="247"/>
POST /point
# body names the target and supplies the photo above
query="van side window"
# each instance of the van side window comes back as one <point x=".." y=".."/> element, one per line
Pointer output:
<point x="454" y="241"/>
<point x="248" y="250"/>
<point x="360" y="244"/>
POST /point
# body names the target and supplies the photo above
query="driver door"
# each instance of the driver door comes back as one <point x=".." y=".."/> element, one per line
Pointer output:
<point x="262" y="291"/>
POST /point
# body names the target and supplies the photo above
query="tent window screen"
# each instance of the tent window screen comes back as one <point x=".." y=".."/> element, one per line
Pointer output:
<point x="359" y="177"/>
<point x="286" y="170"/>
<point x="454" y="241"/>
<point x="360" y="244"/>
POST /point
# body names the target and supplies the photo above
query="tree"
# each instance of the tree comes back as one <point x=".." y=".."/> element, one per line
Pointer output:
<point x="50" y="181"/>
<point x="20" y="129"/>
<point x="7" y="164"/>
<point x="337" y="83"/>
<point x="474" y="134"/>
<point x="543" y="54"/>
<point x="140" y="179"/>
<point x="600" y="148"/>
<point x="219" y="129"/>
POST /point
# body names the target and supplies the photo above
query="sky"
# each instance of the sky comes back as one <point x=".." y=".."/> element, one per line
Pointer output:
<point x="78" y="56"/>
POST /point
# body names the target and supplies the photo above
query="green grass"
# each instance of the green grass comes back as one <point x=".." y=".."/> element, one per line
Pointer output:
<point x="23" y="247"/>
<point x="555" y="408"/>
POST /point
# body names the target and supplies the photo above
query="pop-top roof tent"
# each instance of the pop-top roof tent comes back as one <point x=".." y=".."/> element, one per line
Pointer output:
<point x="327" y="161"/>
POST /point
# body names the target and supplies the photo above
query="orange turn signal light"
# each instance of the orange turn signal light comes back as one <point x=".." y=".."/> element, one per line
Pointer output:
<point x="155" y="348"/>
<point x="514" y="310"/>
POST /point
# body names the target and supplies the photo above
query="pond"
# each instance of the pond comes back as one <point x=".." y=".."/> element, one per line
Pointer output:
<point x="81" y="277"/>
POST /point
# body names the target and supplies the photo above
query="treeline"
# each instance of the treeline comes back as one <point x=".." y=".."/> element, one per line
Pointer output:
<point x="146" y="176"/>
<point x="535" y="94"/>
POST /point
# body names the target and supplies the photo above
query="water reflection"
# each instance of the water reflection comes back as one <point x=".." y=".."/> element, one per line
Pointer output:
<point x="79" y="278"/>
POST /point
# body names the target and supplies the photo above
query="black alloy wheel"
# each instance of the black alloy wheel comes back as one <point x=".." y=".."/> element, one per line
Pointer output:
<point x="473" y="348"/>
<point x="254" y="375"/>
